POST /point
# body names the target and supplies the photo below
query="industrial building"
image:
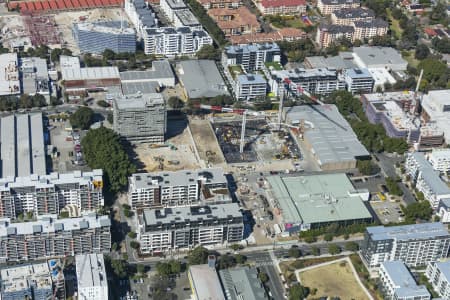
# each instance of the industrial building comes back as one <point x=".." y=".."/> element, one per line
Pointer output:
<point x="140" y="117"/>
<point x="22" y="147"/>
<point x="9" y="74"/>
<point x="34" y="76"/>
<point x="242" y="283"/>
<point x="342" y="61"/>
<point x="175" y="41"/>
<point x="251" y="57"/>
<point x="49" y="194"/>
<point x="250" y="86"/>
<point x="415" y="245"/>
<point x="426" y="179"/>
<point x="96" y="37"/>
<point x="78" y="81"/>
<point x="314" y="81"/>
<point x="358" y="80"/>
<point x="310" y="202"/>
<point x="179" y="188"/>
<point x="379" y="58"/>
<point x="205" y="283"/>
<point x="140" y="14"/>
<point x="169" y="229"/>
<point x="160" y="74"/>
<point x="92" y="280"/>
<point x="327" y="135"/>
<point x="398" y="283"/>
<point x="436" y="110"/>
<point x="52" y="237"/>
<point x="438" y="274"/>
<point x="201" y="78"/>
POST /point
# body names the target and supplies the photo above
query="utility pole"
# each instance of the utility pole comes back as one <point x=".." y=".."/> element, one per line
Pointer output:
<point x="244" y="120"/>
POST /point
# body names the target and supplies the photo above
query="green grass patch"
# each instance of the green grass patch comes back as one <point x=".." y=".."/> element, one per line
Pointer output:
<point x="395" y="26"/>
<point x="235" y="70"/>
<point x="275" y="65"/>
<point x="409" y="57"/>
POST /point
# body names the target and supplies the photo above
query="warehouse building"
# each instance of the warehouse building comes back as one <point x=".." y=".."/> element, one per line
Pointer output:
<point x="167" y="229"/>
<point x="96" y="37"/>
<point x="9" y="74"/>
<point x="242" y="283"/>
<point x="49" y="194"/>
<point x="34" y="74"/>
<point x="179" y="188"/>
<point x="141" y="117"/>
<point x="205" y="283"/>
<point x="310" y="202"/>
<point x="327" y="135"/>
<point x="22" y="145"/>
<point x="415" y="245"/>
<point x="158" y="76"/>
<point x="51" y="237"/>
<point x="92" y="280"/>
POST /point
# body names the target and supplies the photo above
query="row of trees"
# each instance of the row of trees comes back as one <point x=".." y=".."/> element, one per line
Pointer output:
<point x="332" y="230"/>
<point x="9" y="103"/>
<point x="393" y="187"/>
<point x="417" y="211"/>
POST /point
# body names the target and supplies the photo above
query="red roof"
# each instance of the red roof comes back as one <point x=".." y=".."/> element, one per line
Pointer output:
<point x="430" y="31"/>
<point x="90" y="3"/>
<point x="38" y="5"/>
<point x="83" y="3"/>
<point x="278" y="3"/>
<point x="98" y="3"/>
<point x="45" y="5"/>
<point x="52" y="4"/>
<point x="60" y="4"/>
<point x="30" y="6"/>
<point x="68" y="4"/>
<point x="23" y="6"/>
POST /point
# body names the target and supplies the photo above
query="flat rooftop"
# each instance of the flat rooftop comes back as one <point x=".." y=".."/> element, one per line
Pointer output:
<point x="140" y="87"/>
<point x="242" y="283"/>
<point x="90" y="270"/>
<point x="380" y="56"/>
<point x="9" y="74"/>
<point x="176" y="4"/>
<point x="186" y="17"/>
<point x="160" y="69"/>
<point x="138" y="101"/>
<point x="201" y="78"/>
<point x="250" y="79"/>
<point x="444" y="267"/>
<point x="246" y="48"/>
<point x="329" y="134"/>
<point x="436" y="104"/>
<point x="408" y="232"/>
<point x="342" y="61"/>
<point x="14" y="279"/>
<point x="430" y="175"/>
<point x="109" y="27"/>
<point x="404" y="283"/>
<point x="317" y="199"/>
<point x="205" y="283"/>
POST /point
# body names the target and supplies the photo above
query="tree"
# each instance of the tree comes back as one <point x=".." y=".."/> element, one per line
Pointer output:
<point x="366" y="167"/>
<point x="140" y="269"/>
<point x="175" y="102"/>
<point x="208" y="52"/>
<point x="132" y="234"/>
<point x="334" y="249"/>
<point x="310" y="239"/>
<point x="108" y="54"/>
<point x="103" y="150"/>
<point x="420" y="196"/>
<point x="135" y="245"/>
<point x="103" y="103"/>
<point x="328" y="237"/>
<point x="120" y="268"/>
<point x="393" y="187"/>
<point x="294" y="252"/>
<point x="198" y="255"/>
<point x="235" y="247"/>
<point x="315" y="251"/>
<point x="417" y="210"/>
<point x="263" y="277"/>
<point x="297" y="292"/>
<point x="239" y="258"/>
<point x="82" y="118"/>
<point x="434" y="71"/>
<point x="110" y="118"/>
<point x="351" y="246"/>
<point x="64" y="214"/>
<point x="225" y="261"/>
<point x="175" y="266"/>
<point x="439" y="13"/>
<point x="441" y="44"/>
<point x="114" y="247"/>
<point x="422" y="52"/>
<point x="163" y="268"/>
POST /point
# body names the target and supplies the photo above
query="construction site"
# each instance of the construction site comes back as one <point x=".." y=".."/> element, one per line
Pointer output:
<point x="42" y="30"/>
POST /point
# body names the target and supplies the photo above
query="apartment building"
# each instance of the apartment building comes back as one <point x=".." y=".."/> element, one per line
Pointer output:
<point x="140" y="15"/>
<point x="358" y="80"/>
<point x="397" y="283"/>
<point x="179" y="188"/>
<point x="168" y="229"/>
<point x="210" y="4"/>
<point x="438" y="274"/>
<point x="185" y="18"/>
<point x="171" y="42"/>
<point x="327" y="7"/>
<point x="140" y="117"/>
<point x="251" y="56"/>
<point x="328" y="34"/>
<point x="284" y="34"/>
<point x="51" y="237"/>
<point x="92" y="281"/>
<point x="96" y="37"/>
<point x="235" y="21"/>
<point x="347" y="16"/>
<point x="250" y="86"/>
<point x="169" y="7"/>
<point x="49" y="194"/>
<point x="427" y="179"/>
<point x="281" y="7"/>
<point x="367" y="29"/>
<point x="415" y="245"/>
<point x="440" y="160"/>
<point x="321" y="81"/>
<point x="436" y="110"/>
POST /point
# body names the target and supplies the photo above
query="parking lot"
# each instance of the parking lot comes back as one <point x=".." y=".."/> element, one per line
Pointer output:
<point x="387" y="211"/>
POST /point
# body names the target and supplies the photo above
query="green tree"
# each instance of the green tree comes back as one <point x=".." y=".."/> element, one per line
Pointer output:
<point x="422" y="52"/>
<point x="263" y="277"/>
<point x="434" y="70"/>
<point x="235" y="247"/>
<point x="315" y="251"/>
<point x="175" y="102"/>
<point x="114" y="247"/>
<point x="328" y="237"/>
<point x="417" y="211"/>
<point x="393" y="187"/>
<point x="239" y="258"/>
<point x="82" y="118"/>
<point x="366" y="167"/>
<point x="310" y="239"/>
<point x="134" y="245"/>
<point x="226" y="261"/>
<point x="294" y="252"/>
<point x="109" y="54"/>
<point x="334" y="249"/>
<point x="140" y="269"/>
<point x="163" y="268"/>
<point x="297" y="292"/>
<point x="132" y="234"/>
<point x="208" y="52"/>
<point x="103" y="150"/>
<point x="175" y="266"/>
<point x="64" y="214"/>
<point x="110" y="118"/>
<point x="351" y="246"/>
<point x="120" y="268"/>
<point x="197" y="256"/>
<point x="420" y="196"/>
<point x="439" y="13"/>
<point x="441" y="44"/>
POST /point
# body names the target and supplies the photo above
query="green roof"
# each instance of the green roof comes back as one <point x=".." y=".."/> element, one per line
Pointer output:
<point x="276" y="65"/>
<point x="317" y="199"/>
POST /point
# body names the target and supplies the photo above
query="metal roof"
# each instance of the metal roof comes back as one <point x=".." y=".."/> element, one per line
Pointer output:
<point x="139" y="101"/>
<point x="90" y="73"/>
<point x="161" y="69"/>
<point x="90" y="269"/>
<point x="408" y="232"/>
<point x="402" y="280"/>
<point x="242" y="283"/>
<point x="143" y="87"/>
<point x="205" y="283"/>
<point x="376" y="56"/>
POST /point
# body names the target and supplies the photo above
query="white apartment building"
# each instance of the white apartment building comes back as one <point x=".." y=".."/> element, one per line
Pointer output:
<point x="91" y="277"/>
<point x="180" y="188"/>
<point x="140" y="15"/>
<point x="440" y="160"/>
<point x="367" y="29"/>
<point x="427" y="179"/>
<point x="250" y="86"/>
<point x="415" y="245"/>
<point x="438" y="274"/>
<point x="251" y="57"/>
<point x="326" y="7"/>
<point x="170" y="7"/>
<point x="347" y="16"/>
<point x="358" y="80"/>
<point x="170" y="41"/>
<point x="167" y="229"/>
<point x="397" y="283"/>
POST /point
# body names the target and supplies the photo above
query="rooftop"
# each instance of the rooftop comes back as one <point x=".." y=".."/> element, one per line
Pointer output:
<point x="329" y="134"/>
<point x="90" y="270"/>
<point x="186" y="17"/>
<point x="110" y="27"/>
<point x="140" y="87"/>
<point x="444" y="268"/>
<point x="342" y="61"/>
<point x="9" y="74"/>
<point x="138" y="101"/>
<point x="436" y="104"/>
<point x="404" y="283"/>
<point x="34" y="75"/>
<point x="370" y="57"/>
<point x="430" y="176"/>
<point x="18" y="278"/>
<point x="242" y="283"/>
<point x="160" y="69"/>
<point x="352" y="13"/>
<point x="358" y="73"/>
<point x="146" y="15"/>
<point x="372" y="23"/>
<point x="317" y="199"/>
<point x="71" y="70"/>
<point x="201" y="78"/>
<point x="336" y="29"/>
<point x="408" y="232"/>
<point x="282" y="3"/>
<point x="176" y="4"/>
<point x="241" y="16"/>
<point x="250" y="79"/>
<point x="339" y="2"/>
<point x="69" y="62"/>
<point x="205" y="283"/>
<point x="247" y="48"/>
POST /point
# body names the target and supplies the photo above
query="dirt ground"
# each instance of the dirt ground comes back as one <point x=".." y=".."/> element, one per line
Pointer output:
<point x="184" y="154"/>
<point x="205" y="140"/>
<point x="333" y="280"/>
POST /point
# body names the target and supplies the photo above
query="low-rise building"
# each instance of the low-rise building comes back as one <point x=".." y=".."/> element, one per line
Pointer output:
<point x="251" y="57"/>
<point x="169" y="229"/>
<point x="250" y="86"/>
<point x="281" y="7"/>
<point x="328" y="34"/>
<point x="379" y="58"/>
<point x="9" y="74"/>
<point x="347" y="16"/>
<point x="205" y="283"/>
<point x="92" y="280"/>
<point x="35" y="79"/>
<point x="159" y="75"/>
<point x="179" y="188"/>
<point x="359" y="80"/>
<point x="340" y="62"/>
<point x="242" y="283"/>
<point x="399" y="284"/>
<point x="235" y="21"/>
<point x="51" y="237"/>
<point x="440" y="160"/>
<point x="415" y="245"/>
<point x="209" y="4"/>
<point x="436" y="110"/>
<point x="438" y="274"/>
<point x="141" y="117"/>
<point x="327" y="7"/>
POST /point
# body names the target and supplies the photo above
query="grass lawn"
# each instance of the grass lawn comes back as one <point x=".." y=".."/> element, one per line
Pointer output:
<point x="276" y="65"/>
<point x="395" y="26"/>
<point x="411" y="59"/>
<point x="335" y="280"/>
